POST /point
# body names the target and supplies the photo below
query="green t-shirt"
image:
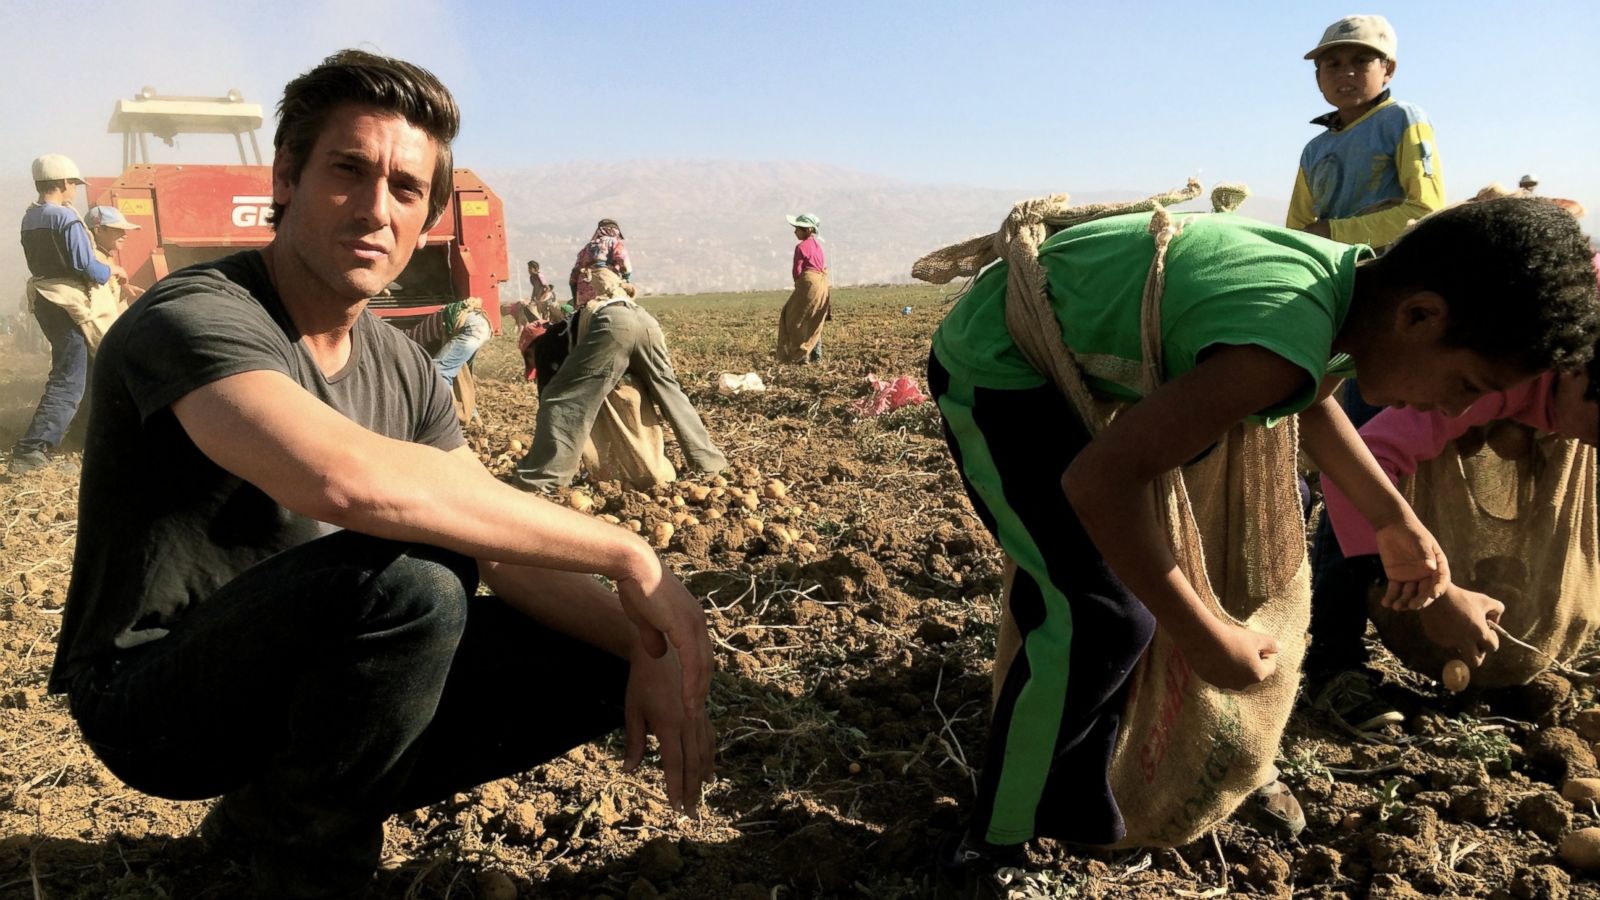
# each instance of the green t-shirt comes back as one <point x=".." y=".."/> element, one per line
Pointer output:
<point x="1230" y="280"/>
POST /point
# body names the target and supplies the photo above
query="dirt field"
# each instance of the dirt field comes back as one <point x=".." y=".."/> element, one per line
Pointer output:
<point x="854" y="661"/>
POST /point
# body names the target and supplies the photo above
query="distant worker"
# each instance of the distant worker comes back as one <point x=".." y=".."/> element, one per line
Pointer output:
<point x="61" y="261"/>
<point x="615" y="337"/>
<point x="605" y="251"/>
<point x="541" y="304"/>
<point x="800" y="323"/>
<point x="110" y="228"/>
<point x="1528" y="183"/>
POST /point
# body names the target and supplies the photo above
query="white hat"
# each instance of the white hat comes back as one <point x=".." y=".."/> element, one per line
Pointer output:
<point x="1372" y="32"/>
<point x="55" y="167"/>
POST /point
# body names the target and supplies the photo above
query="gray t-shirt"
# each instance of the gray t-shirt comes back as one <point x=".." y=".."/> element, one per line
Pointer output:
<point x="160" y="526"/>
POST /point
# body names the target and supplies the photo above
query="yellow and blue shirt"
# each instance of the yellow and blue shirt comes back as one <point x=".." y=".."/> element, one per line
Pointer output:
<point x="1370" y="179"/>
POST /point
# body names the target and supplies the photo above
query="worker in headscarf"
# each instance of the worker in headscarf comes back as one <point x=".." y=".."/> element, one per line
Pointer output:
<point x="606" y="256"/>
<point x="800" y="324"/>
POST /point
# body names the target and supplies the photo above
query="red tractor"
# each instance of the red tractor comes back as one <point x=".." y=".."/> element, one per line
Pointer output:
<point x="194" y="213"/>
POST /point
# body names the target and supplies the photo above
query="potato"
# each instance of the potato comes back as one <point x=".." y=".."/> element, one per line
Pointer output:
<point x="1577" y="790"/>
<point x="697" y="492"/>
<point x="719" y="481"/>
<point x="516" y="446"/>
<point x="580" y="501"/>
<point x="634" y="525"/>
<point x="661" y="535"/>
<point x="1456" y="676"/>
<point x="806" y="547"/>
<point x="713" y="513"/>
<point x="775" y="490"/>
<point x="749" y="501"/>
<point x="684" y="520"/>
<point x="1581" y="849"/>
<point x="610" y="518"/>
<point x="754" y="523"/>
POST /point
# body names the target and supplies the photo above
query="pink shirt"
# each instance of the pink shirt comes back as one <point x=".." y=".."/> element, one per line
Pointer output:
<point x="808" y="255"/>
<point x="1400" y="439"/>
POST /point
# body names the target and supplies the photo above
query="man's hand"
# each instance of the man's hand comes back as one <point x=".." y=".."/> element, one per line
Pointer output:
<point x="666" y="613"/>
<point x="654" y="705"/>
<point x="1319" y="228"/>
<point x="119" y="273"/>
<point x="1461" y="623"/>
<point x="1414" y="563"/>
<point x="1230" y="656"/>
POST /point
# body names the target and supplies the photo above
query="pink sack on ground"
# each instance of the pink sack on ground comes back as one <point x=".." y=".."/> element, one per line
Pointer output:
<point x="888" y="396"/>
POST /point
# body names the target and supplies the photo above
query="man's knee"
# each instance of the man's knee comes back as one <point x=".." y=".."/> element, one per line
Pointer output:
<point x="425" y="584"/>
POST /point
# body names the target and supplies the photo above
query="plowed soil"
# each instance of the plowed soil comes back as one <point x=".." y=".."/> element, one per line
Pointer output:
<point x="854" y="619"/>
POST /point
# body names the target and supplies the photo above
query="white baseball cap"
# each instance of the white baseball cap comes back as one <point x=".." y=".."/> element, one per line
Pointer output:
<point x="1373" y="32"/>
<point x="55" y="167"/>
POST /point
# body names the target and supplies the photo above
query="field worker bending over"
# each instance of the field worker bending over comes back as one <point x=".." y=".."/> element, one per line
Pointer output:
<point x="1256" y="323"/>
<point x="615" y="336"/>
<point x="282" y="532"/>
<point x="808" y="308"/>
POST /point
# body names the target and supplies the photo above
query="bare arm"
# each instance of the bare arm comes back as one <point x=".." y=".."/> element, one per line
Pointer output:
<point x="1107" y="485"/>
<point x="264" y="428"/>
<point x="1412" y="559"/>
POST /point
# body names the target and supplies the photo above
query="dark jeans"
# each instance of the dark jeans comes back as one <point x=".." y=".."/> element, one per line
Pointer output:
<point x="1339" y="588"/>
<point x="63" y="390"/>
<point x="337" y="683"/>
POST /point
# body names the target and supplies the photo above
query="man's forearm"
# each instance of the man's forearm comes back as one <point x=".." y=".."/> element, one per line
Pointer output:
<point x="567" y="602"/>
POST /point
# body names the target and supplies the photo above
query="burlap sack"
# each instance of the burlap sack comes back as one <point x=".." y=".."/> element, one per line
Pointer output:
<point x="1187" y="753"/>
<point x="627" y="442"/>
<point x="92" y="310"/>
<point x="464" y="395"/>
<point x="1522" y="531"/>
<point x="800" y="323"/>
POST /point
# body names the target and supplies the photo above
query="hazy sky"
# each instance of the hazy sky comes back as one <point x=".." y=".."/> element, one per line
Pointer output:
<point x="1061" y="95"/>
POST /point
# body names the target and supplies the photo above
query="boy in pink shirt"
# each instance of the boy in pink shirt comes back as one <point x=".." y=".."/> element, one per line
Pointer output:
<point x="1566" y="404"/>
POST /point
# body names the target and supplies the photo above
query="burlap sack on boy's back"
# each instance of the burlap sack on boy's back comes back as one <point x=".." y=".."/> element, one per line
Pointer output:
<point x="1187" y="753"/>
<point x="1522" y="531"/>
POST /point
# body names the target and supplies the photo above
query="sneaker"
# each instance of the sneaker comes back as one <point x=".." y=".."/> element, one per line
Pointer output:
<point x="974" y="864"/>
<point x="1349" y="695"/>
<point x="25" y="461"/>
<point x="1273" y="810"/>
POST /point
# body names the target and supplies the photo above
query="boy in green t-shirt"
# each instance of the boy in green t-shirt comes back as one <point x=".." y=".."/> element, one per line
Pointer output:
<point x="1257" y="323"/>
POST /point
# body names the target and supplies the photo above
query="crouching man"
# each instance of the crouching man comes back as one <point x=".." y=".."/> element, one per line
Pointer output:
<point x="273" y="595"/>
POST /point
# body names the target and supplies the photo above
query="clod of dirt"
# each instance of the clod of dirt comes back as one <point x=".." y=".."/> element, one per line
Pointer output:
<point x="1587" y="723"/>
<point x="523" y="824"/>
<point x="1268" y="871"/>
<point x="1546" y="815"/>
<point x="1478" y="805"/>
<point x="934" y="631"/>
<point x="1544" y="695"/>
<point x="1561" y="754"/>
<point x="494" y="884"/>
<point x="659" y="859"/>
<point x="1387" y="886"/>
<point x="642" y="889"/>
<point x="1541" y="883"/>
<point x="1393" y="853"/>
<point x="1321" y="864"/>
<point x="1581" y="850"/>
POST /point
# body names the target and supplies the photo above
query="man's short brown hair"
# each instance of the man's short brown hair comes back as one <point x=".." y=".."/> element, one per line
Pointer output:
<point x="393" y="85"/>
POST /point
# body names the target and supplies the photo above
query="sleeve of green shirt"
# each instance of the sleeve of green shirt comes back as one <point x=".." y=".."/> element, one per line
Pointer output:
<point x="1417" y="163"/>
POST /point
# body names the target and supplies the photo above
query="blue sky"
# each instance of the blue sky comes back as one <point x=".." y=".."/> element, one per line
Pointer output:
<point x="1058" y="96"/>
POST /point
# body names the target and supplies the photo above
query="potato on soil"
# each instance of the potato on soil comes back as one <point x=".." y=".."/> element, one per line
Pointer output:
<point x="661" y="535"/>
<point x="580" y="501"/>
<point x="775" y="490"/>
<point x="1581" y="849"/>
